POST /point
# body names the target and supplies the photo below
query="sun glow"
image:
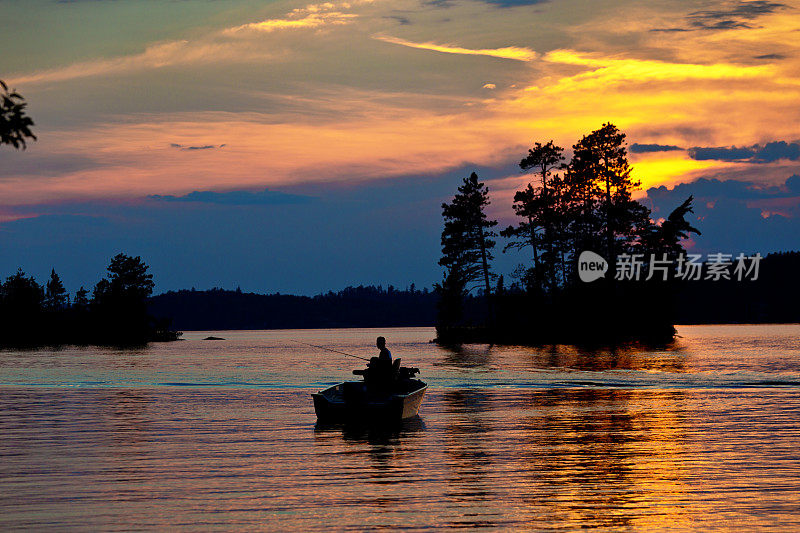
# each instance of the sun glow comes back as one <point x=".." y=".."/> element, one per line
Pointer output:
<point x="656" y="169"/>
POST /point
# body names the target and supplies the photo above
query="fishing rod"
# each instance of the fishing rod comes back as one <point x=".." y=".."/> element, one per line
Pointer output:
<point x="332" y="350"/>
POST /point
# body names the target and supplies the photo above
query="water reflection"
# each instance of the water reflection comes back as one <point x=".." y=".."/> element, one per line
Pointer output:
<point x="466" y="356"/>
<point x="383" y="434"/>
<point x="506" y="459"/>
<point x="670" y="358"/>
<point x="592" y="457"/>
<point x="508" y="439"/>
<point x="596" y="453"/>
<point x="469" y="464"/>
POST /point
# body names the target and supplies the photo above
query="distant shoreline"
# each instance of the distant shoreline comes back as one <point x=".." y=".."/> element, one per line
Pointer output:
<point x="769" y="300"/>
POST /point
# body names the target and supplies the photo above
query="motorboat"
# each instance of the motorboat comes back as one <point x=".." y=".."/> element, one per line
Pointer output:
<point x="387" y="393"/>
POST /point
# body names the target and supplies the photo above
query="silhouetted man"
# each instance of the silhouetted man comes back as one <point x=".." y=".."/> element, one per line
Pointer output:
<point x="385" y="355"/>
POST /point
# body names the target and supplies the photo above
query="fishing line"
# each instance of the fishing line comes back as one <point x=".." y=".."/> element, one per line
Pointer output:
<point x="331" y="350"/>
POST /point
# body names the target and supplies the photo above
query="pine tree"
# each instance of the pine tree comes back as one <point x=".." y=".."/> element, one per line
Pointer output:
<point x="120" y="300"/>
<point x="22" y="294"/>
<point x="81" y="299"/>
<point x="600" y="163"/>
<point x="666" y="238"/>
<point x="20" y="312"/>
<point x="540" y="209"/>
<point x="55" y="296"/>
<point x="527" y="206"/>
<point x="587" y="207"/>
<point x="467" y="241"/>
<point x="128" y="277"/>
<point x="543" y="158"/>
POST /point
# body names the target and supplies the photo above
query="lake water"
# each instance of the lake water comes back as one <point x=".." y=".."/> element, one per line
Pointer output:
<point x="221" y="435"/>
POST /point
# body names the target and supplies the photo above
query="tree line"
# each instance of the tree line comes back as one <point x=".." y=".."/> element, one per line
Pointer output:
<point x="769" y="299"/>
<point x="362" y="306"/>
<point x="584" y="204"/>
<point x="115" y="312"/>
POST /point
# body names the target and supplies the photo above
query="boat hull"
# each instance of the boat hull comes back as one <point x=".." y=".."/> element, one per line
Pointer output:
<point x="351" y="401"/>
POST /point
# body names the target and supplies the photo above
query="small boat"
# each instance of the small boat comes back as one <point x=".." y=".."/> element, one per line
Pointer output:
<point x="386" y="395"/>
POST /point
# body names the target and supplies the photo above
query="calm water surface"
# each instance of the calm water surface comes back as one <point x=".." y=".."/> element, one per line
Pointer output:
<point x="222" y="435"/>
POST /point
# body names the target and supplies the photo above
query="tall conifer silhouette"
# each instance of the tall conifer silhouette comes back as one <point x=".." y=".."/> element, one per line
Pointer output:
<point x="467" y="240"/>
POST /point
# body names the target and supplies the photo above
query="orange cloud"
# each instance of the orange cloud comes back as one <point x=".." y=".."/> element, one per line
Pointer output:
<point x="509" y="52"/>
<point x="138" y="159"/>
<point x="693" y="92"/>
<point x="313" y="20"/>
<point x="606" y="70"/>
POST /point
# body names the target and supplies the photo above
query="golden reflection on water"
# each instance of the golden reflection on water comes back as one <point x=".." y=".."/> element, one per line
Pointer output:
<point x="495" y="455"/>
<point x="554" y="459"/>
<point x="579" y="457"/>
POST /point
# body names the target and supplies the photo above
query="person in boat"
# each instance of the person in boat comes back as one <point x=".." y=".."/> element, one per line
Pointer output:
<point x="379" y="369"/>
<point x="385" y="355"/>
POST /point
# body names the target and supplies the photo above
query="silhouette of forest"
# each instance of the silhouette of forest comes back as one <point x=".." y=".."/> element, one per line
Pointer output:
<point x="583" y="207"/>
<point x="769" y="299"/>
<point x="118" y="312"/>
<point x="219" y="309"/>
<point x="772" y="298"/>
<point x="115" y="313"/>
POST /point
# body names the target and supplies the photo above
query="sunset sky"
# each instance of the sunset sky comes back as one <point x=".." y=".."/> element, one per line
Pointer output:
<point x="295" y="147"/>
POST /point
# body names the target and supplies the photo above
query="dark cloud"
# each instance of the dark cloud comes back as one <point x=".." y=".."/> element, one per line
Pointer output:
<point x="721" y="153"/>
<point x="378" y="233"/>
<point x="514" y="3"/>
<point x="498" y="3"/>
<point x="440" y="3"/>
<point x="265" y="197"/>
<point x="736" y="216"/>
<point x="203" y="147"/>
<point x="733" y="16"/>
<point x="692" y="134"/>
<point x="726" y="24"/>
<point x="738" y="14"/>
<point x="772" y="151"/>
<point x="668" y="30"/>
<point x="402" y="20"/>
<point x="714" y="189"/>
<point x="637" y="148"/>
<point x="778" y="150"/>
<point x="770" y="56"/>
<point x="793" y="184"/>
